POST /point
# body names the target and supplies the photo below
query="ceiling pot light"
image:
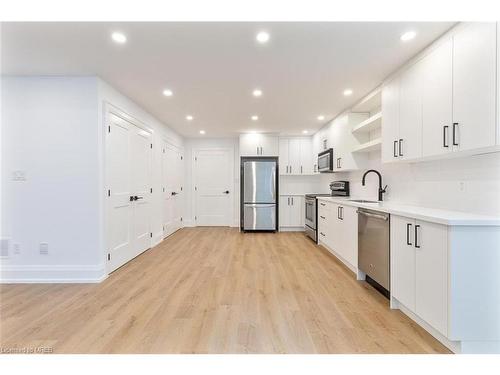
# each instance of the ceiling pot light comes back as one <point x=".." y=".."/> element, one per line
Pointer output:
<point x="255" y="118"/>
<point x="409" y="35"/>
<point x="118" y="37"/>
<point x="168" y="92"/>
<point x="202" y="131"/>
<point x="262" y="37"/>
<point x="320" y="117"/>
<point x="257" y="92"/>
<point x="347" y="92"/>
<point x="305" y="131"/>
<point x="189" y="117"/>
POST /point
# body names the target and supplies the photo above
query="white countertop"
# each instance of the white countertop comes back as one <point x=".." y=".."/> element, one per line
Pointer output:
<point x="434" y="215"/>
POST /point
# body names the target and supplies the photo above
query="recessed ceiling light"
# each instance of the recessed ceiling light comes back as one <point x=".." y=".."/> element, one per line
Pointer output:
<point x="262" y="37"/>
<point x="257" y="92"/>
<point x="347" y="92"/>
<point x="305" y="131"/>
<point x="255" y="117"/>
<point x="409" y="35"/>
<point x="321" y="117"/>
<point x="189" y="117"/>
<point x="119" y="37"/>
<point x="202" y="131"/>
<point x="168" y="92"/>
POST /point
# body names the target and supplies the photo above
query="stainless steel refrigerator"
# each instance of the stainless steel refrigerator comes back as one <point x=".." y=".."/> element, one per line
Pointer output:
<point x="259" y="194"/>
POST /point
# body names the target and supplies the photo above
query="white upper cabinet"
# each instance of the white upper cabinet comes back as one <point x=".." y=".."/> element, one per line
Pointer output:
<point x="474" y="86"/>
<point x="390" y="120"/>
<point x="409" y="143"/>
<point x="296" y="156"/>
<point x="437" y="100"/>
<point x="446" y="101"/>
<point x="258" y="145"/>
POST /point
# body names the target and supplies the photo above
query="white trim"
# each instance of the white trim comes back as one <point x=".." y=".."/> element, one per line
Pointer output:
<point x="194" y="155"/>
<point x="53" y="274"/>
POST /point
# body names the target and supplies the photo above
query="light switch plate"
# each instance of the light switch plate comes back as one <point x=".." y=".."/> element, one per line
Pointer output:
<point x="18" y="176"/>
<point x="44" y="248"/>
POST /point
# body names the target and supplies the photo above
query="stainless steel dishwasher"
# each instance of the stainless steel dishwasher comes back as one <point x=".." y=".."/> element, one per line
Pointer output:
<point x="374" y="248"/>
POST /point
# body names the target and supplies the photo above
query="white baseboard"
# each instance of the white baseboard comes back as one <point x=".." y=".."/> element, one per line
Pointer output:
<point x="52" y="274"/>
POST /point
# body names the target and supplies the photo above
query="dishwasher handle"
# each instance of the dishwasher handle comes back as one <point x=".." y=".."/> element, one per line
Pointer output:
<point x="375" y="216"/>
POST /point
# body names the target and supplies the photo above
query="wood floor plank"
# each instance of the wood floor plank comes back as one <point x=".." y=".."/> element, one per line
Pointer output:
<point x="214" y="290"/>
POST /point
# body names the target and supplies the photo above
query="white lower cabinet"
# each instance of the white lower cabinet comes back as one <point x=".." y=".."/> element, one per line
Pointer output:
<point x="419" y="252"/>
<point x="338" y="230"/>
<point x="291" y="211"/>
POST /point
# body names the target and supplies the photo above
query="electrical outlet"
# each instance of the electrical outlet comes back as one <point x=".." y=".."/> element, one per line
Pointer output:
<point x="16" y="248"/>
<point x="44" y="248"/>
<point x="18" y="176"/>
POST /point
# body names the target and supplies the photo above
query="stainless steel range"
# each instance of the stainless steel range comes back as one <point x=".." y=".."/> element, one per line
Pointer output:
<point x="338" y="189"/>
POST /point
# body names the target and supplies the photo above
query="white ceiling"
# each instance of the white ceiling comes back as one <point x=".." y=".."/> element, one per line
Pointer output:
<point x="212" y="68"/>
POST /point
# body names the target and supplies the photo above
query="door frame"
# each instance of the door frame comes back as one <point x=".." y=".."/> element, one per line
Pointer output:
<point x="231" y="177"/>
<point x="110" y="109"/>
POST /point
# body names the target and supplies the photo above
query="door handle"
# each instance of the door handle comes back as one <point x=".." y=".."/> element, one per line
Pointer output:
<point x="400" y="147"/>
<point x="226" y="192"/>
<point x="445" y="131"/>
<point x="416" y="236"/>
<point x="395" y="145"/>
<point x="455" y="125"/>
<point x="408" y="227"/>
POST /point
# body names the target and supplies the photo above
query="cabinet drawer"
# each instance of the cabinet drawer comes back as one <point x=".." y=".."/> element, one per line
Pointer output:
<point x="324" y="207"/>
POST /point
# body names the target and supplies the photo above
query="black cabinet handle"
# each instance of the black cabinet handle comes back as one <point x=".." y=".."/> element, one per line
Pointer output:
<point x="324" y="218"/>
<point x="408" y="227"/>
<point x="400" y="147"/>
<point x="136" y="198"/>
<point x="341" y="213"/>
<point x="289" y="201"/>
<point x="322" y="234"/>
<point x="455" y="143"/>
<point x="323" y="204"/>
<point x="416" y="236"/>
<point x="395" y="145"/>
<point x="174" y="193"/>
<point x="226" y="192"/>
<point x="445" y="131"/>
<point x="131" y="198"/>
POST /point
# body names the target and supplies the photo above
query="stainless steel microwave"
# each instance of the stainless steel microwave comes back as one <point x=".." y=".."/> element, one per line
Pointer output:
<point x="325" y="161"/>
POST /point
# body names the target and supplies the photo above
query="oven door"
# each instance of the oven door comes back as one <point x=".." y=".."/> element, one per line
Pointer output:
<point x="325" y="161"/>
<point x="310" y="211"/>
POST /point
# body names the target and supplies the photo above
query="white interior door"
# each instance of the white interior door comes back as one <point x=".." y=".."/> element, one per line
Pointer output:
<point x="129" y="190"/>
<point x="172" y="190"/>
<point x="213" y="171"/>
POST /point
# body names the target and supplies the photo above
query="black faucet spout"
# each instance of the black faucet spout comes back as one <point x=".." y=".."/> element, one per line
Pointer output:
<point x="380" y="190"/>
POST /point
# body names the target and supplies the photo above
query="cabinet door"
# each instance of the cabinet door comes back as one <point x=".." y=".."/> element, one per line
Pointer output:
<point x="474" y="86"/>
<point x="336" y="228"/>
<point x="284" y="211"/>
<point x="294" y="155"/>
<point x="347" y="141"/>
<point x="403" y="260"/>
<point x="269" y="145"/>
<point x="437" y="100"/>
<point x="390" y="120"/>
<point x="431" y="283"/>
<point x="296" y="211"/>
<point x="410" y="113"/>
<point x="324" y="209"/>
<point x="283" y="158"/>
<point x="306" y="159"/>
<point x="349" y="223"/>
<point x="249" y="144"/>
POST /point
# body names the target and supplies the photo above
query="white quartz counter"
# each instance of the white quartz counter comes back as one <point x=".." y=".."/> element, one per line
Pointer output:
<point x="434" y="215"/>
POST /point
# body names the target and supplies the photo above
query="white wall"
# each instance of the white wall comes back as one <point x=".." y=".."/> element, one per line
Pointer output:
<point x="197" y="143"/>
<point x="53" y="131"/>
<point x="436" y="184"/>
<point x="50" y="133"/>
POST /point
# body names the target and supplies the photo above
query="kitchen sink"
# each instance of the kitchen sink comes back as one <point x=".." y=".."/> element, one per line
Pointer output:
<point x="362" y="201"/>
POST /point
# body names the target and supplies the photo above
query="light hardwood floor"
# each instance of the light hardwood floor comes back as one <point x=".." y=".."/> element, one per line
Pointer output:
<point x="214" y="290"/>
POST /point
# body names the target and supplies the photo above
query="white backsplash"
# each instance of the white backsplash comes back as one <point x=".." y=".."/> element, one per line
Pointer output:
<point x="468" y="184"/>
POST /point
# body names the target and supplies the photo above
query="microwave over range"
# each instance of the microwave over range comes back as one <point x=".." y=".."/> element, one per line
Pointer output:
<point x="325" y="161"/>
